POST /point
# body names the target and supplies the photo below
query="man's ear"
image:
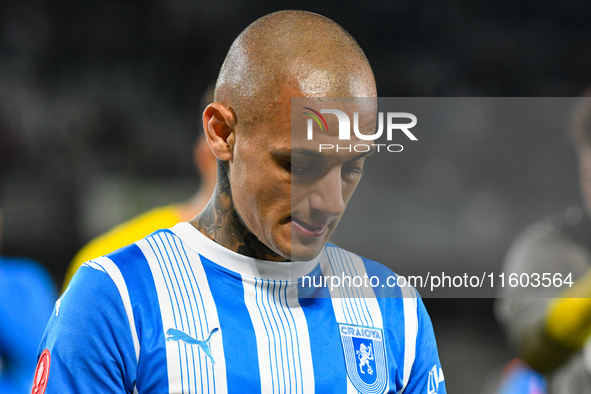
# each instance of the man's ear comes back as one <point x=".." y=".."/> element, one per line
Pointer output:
<point x="218" y="123"/>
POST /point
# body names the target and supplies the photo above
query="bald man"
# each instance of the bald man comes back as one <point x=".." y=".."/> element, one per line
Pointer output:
<point x="219" y="304"/>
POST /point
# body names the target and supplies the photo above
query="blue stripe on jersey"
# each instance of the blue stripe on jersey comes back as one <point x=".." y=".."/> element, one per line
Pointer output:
<point x="144" y="301"/>
<point x="325" y="340"/>
<point x="240" y="347"/>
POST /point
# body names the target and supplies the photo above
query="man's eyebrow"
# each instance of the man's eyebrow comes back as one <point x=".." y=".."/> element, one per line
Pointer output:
<point x="303" y="152"/>
<point x="306" y="152"/>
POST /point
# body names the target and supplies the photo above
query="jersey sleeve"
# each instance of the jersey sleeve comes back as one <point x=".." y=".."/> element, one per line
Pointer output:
<point x="89" y="338"/>
<point x="426" y="375"/>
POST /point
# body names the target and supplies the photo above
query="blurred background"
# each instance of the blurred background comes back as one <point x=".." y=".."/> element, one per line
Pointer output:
<point x="99" y="109"/>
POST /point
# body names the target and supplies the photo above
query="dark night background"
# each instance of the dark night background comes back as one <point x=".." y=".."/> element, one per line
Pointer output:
<point x="99" y="107"/>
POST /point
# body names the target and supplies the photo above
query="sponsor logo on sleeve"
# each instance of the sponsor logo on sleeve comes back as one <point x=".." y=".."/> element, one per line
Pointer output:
<point x="435" y="378"/>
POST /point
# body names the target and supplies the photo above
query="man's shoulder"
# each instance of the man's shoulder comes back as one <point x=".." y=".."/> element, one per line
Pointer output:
<point x="157" y="242"/>
<point x="381" y="278"/>
<point x="135" y="229"/>
<point x="124" y="234"/>
<point x="126" y="262"/>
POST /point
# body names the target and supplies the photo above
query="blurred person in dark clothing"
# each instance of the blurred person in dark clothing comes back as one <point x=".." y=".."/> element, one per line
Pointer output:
<point x="550" y="326"/>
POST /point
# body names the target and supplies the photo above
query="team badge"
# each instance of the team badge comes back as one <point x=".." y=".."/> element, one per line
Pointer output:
<point x="365" y="357"/>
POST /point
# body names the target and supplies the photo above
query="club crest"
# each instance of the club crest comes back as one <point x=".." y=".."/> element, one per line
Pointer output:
<point x="365" y="357"/>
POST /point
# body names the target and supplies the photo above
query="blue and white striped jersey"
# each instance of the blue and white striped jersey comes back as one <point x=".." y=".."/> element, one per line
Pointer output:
<point x="178" y="313"/>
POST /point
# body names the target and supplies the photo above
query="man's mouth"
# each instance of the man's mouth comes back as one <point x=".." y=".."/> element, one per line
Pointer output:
<point x="307" y="230"/>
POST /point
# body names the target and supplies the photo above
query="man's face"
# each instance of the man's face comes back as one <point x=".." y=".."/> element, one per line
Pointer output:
<point x="290" y="195"/>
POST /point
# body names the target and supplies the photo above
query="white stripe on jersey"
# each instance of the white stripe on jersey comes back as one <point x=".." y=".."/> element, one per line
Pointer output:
<point x="283" y="343"/>
<point x="186" y="304"/>
<point x="105" y="264"/>
<point x="352" y="305"/>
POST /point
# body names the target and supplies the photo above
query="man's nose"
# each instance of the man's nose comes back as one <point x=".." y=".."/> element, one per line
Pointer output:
<point x="327" y="196"/>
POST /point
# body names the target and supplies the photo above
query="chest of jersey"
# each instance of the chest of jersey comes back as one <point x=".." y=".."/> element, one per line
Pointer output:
<point x="222" y="332"/>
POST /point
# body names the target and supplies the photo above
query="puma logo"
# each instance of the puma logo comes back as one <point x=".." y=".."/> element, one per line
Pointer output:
<point x="176" y="335"/>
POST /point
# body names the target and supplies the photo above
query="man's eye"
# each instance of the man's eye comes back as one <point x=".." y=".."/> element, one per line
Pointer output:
<point x="352" y="172"/>
<point x="301" y="166"/>
<point x="298" y="170"/>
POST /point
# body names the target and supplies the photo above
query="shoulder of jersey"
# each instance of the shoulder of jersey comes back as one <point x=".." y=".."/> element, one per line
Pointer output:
<point x="370" y="264"/>
<point x="373" y="269"/>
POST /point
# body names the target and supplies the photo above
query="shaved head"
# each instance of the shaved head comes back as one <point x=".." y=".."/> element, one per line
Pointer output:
<point x="308" y="54"/>
<point x="261" y="194"/>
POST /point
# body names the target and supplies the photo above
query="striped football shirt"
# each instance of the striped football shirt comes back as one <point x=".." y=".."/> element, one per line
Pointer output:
<point x="178" y="313"/>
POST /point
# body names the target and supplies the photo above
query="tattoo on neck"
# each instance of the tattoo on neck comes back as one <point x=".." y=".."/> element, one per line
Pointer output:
<point x="220" y="222"/>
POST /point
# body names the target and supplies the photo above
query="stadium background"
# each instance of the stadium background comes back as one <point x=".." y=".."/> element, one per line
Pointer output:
<point x="99" y="109"/>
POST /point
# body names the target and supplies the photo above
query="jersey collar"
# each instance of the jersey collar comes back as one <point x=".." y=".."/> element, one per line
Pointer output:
<point x="243" y="265"/>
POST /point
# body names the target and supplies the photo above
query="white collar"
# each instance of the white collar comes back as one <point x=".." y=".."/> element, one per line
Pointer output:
<point x="243" y="265"/>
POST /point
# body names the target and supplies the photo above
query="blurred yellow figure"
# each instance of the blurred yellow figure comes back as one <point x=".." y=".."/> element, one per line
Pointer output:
<point x="155" y="219"/>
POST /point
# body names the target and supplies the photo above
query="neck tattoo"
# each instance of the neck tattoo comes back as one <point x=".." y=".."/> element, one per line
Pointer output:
<point x="220" y="222"/>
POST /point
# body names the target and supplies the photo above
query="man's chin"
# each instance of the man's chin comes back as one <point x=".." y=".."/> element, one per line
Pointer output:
<point x="301" y="252"/>
<point x="300" y="248"/>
